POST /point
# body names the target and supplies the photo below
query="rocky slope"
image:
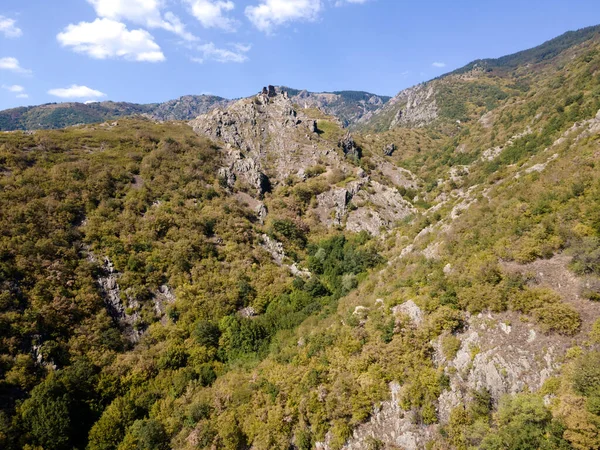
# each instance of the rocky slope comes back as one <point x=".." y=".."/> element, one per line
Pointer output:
<point x="269" y="142"/>
<point x="61" y="115"/>
<point x="471" y="91"/>
<point x="348" y="106"/>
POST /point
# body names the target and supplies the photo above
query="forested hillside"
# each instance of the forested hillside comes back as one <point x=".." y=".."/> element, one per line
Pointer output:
<point x="261" y="278"/>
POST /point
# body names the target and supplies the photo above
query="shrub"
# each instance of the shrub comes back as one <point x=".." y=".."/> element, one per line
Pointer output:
<point x="147" y="434"/>
<point x="207" y="333"/>
<point x="559" y="318"/>
<point x="595" y="332"/>
<point x="529" y="299"/>
<point x="586" y="374"/>
<point x="450" y="346"/>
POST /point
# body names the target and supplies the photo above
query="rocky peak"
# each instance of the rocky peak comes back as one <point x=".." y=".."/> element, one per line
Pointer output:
<point x="263" y="135"/>
<point x="419" y="107"/>
<point x="265" y="140"/>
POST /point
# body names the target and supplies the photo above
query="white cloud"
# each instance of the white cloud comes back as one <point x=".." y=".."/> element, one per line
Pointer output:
<point x="174" y="25"/>
<point x="145" y="12"/>
<point x="439" y="64"/>
<point x="106" y="38"/>
<point x="76" y="91"/>
<point x="9" y="28"/>
<point x="141" y="12"/>
<point x="223" y="55"/>
<point x="271" y="13"/>
<point x="12" y="64"/>
<point x="210" y="13"/>
<point x="14" y="88"/>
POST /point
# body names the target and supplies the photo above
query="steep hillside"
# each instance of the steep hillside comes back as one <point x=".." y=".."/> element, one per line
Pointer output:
<point x="468" y="93"/>
<point x="187" y="107"/>
<point x="61" y="115"/>
<point x="261" y="278"/>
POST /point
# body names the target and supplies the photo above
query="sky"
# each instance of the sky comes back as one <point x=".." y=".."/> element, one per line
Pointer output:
<point x="147" y="51"/>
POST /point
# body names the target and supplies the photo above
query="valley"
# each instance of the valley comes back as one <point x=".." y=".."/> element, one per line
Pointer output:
<point x="309" y="270"/>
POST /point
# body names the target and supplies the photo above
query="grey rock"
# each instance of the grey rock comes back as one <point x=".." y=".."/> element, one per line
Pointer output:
<point x="419" y="106"/>
<point x="389" y="149"/>
<point x="348" y="107"/>
<point x="247" y="312"/>
<point x="263" y="135"/>
<point x="349" y="147"/>
<point x="261" y="212"/>
<point x="410" y="309"/>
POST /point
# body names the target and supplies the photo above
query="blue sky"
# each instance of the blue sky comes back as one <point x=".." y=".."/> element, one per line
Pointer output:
<point x="155" y="50"/>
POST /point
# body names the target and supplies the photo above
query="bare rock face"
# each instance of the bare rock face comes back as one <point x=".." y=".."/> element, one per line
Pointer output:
<point x="266" y="140"/>
<point x="363" y="205"/>
<point x="419" y="109"/>
<point x="112" y="298"/>
<point x="501" y="355"/>
<point x="377" y="207"/>
<point x="411" y="310"/>
<point x="336" y="201"/>
<point x="263" y="135"/>
<point x="389" y="426"/>
<point x="389" y="149"/>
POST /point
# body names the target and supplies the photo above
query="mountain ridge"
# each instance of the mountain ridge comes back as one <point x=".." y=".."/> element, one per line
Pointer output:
<point x="349" y="106"/>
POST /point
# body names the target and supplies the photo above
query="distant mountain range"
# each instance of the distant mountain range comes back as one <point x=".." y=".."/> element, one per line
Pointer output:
<point x="451" y="97"/>
<point x="348" y="106"/>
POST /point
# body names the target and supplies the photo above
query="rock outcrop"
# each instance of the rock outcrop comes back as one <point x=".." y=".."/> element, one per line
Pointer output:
<point x="349" y="107"/>
<point x="389" y="149"/>
<point x="266" y="140"/>
<point x="419" y="107"/>
<point x="349" y="147"/>
<point x="263" y="135"/>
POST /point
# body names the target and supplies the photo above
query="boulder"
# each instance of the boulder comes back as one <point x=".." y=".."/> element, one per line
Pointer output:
<point x="349" y="147"/>
<point x="389" y="149"/>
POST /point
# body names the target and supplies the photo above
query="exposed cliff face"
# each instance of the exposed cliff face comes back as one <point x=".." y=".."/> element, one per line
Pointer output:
<point x="414" y="107"/>
<point x="266" y="140"/>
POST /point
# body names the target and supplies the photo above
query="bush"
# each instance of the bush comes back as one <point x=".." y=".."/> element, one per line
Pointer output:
<point x="288" y="230"/>
<point x="207" y="333"/>
<point x="147" y="434"/>
<point x="450" y="346"/>
<point x="522" y="423"/>
<point x="529" y="299"/>
<point x="586" y="374"/>
<point x="559" y="318"/>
